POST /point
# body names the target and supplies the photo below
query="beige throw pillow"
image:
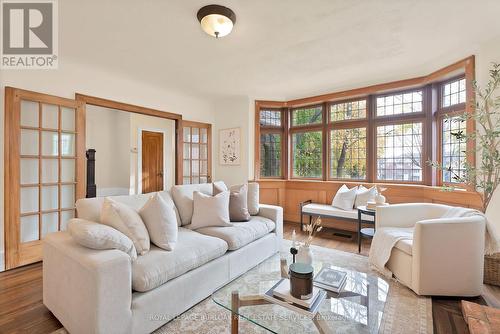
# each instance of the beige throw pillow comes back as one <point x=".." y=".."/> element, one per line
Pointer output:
<point x="253" y="198"/>
<point x="210" y="210"/>
<point x="98" y="236"/>
<point x="344" y="198"/>
<point x="238" y="206"/>
<point x="161" y="222"/>
<point x="364" y="195"/>
<point x="126" y="220"/>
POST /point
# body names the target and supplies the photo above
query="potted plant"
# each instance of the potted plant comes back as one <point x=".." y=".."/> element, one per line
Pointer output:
<point x="485" y="176"/>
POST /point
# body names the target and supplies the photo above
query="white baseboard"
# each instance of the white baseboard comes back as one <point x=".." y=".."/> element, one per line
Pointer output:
<point x="2" y="261"/>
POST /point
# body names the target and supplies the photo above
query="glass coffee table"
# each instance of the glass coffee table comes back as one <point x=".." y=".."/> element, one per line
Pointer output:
<point x="357" y="309"/>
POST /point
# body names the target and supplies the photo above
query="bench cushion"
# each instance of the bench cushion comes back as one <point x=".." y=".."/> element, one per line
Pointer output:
<point x="241" y="234"/>
<point x="159" y="266"/>
<point x="328" y="210"/>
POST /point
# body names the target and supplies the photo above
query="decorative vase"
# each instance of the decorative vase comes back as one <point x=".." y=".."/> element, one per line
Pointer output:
<point x="305" y="255"/>
<point x="380" y="199"/>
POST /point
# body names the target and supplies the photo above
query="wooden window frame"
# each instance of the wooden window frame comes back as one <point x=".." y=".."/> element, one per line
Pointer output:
<point x="431" y="109"/>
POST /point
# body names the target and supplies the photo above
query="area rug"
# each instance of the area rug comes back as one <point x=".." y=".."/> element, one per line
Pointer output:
<point x="404" y="311"/>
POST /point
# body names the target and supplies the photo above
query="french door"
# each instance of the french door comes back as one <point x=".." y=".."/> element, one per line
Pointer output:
<point x="44" y="169"/>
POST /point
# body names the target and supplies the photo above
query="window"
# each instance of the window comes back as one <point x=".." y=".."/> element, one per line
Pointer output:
<point x="196" y="158"/>
<point x="348" y="110"/>
<point x="271" y="142"/>
<point x="453" y="149"/>
<point x="453" y="93"/>
<point x="348" y="153"/>
<point x="399" y="152"/>
<point x="270" y="155"/>
<point x="307" y="115"/>
<point x="402" y="103"/>
<point x="381" y="133"/>
<point x="270" y="118"/>
<point x="307" y="154"/>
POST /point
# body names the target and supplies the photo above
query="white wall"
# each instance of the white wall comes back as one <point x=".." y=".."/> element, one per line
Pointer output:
<point x="73" y="77"/>
<point x="234" y="112"/>
<point x="108" y="132"/>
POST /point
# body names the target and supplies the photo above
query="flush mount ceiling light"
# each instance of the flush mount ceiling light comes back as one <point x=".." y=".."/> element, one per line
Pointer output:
<point x="216" y="20"/>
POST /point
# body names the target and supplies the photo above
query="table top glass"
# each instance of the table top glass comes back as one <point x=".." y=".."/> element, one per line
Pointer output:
<point x="357" y="309"/>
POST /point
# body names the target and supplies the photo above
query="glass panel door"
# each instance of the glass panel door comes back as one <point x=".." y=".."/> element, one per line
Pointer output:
<point x="42" y="170"/>
<point x="196" y="160"/>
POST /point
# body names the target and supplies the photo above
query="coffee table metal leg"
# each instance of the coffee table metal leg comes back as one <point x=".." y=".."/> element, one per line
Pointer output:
<point x="235" y="305"/>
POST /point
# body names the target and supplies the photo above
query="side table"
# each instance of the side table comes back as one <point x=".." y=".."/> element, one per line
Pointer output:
<point x="366" y="232"/>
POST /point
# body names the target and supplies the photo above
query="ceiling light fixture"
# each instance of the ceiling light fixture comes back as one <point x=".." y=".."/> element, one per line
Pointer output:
<point x="217" y="21"/>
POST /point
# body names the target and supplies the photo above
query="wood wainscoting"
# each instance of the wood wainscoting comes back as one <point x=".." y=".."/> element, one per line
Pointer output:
<point x="289" y="193"/>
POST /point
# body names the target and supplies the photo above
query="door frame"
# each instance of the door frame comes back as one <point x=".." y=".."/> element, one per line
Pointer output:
<point x="139" y="156"/>
<point x="106" y="103"/>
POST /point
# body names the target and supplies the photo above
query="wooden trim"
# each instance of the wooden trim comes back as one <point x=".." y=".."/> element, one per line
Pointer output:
<point x="105" y="103"/>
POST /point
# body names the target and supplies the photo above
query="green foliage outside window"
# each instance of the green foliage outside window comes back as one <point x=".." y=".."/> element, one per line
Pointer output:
<point x="307" y="154"/>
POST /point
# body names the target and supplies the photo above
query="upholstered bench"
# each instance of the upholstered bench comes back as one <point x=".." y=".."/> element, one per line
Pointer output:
<point x="308" y="208"/>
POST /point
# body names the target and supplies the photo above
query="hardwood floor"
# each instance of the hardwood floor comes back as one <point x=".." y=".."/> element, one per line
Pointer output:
<point x="22" y="310"/>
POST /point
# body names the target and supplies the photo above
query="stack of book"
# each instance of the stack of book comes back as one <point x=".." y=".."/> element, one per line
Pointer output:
<point x="330" y="279"/>
<point x="280" y="294"/>
<point x="372" y="205"/>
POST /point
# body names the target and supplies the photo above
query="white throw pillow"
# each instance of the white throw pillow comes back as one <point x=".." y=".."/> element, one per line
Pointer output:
<point x="210" y="210"/>
<point x="98" y="236"/>
<point x="344" y="198"/>
<point x="364" y="195"/>
<point x="161" y="222"/>
<point x="126" y="220"/>
<point x="253" y="198"/>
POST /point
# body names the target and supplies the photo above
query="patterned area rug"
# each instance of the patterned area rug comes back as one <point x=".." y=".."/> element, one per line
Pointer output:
<point x="404" y="311"/>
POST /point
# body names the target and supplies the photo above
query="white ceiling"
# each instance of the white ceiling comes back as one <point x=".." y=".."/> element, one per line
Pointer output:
<point x="279" y="49"/>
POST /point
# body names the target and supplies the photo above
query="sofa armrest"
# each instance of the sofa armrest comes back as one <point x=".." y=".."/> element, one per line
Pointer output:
<point x="89" y="291"/>
<point x="407" y="214"/>
<point x="275" y="213"/>
<point x="448" y="255"/>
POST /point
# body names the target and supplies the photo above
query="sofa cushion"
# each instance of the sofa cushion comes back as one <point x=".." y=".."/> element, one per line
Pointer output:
<point x="328" y="210"/>
<point x="241" y="234"/>
<point x="253" y="198"/>
<point x="90" y="208"/>
<point x="159" y="266"/>
<point x="405" y="245"/>
<point x="183" y="198"/>
<point x="126" y="220"/>
<point x="159" y="218"/>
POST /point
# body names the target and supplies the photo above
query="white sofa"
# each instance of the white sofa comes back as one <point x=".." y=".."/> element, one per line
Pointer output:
<point x="102" y="291"/>
<point x="445" y="257"/>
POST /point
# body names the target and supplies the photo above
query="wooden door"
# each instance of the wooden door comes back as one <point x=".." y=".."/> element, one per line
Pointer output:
<point x="196" y="148"/>
<point x="152" y="161"/>
<point x="44" y="169"/>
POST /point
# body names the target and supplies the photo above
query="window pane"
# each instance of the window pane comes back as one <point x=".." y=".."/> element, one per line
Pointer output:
<point x="204" y="135"/>
<point x="307" y="115"/>
<point x="348" y="153"/>
<point x="49" y="143"/>
<point x="270" y="118"/>
<point x="68" y="170"/>
<point x="307" y="154"/>
<point x="50" y="198"/>
<point x="67" y="196"/>
<point x="29" y="171"/>
<point x="453" y="93"/>
<point x="65" y="217"/>
<point x="50" y="116"/>
<point x="50" y="222"/>
<point x="50" y="170"/>
<point x="68" y="144"/>
<point x="67" y="119"/>
<point x="270" y="155"/>
<point x="187" y="134"/>
<point x="403" y="103"/>
<point x="399" y="152"/>
<point x="29" y="142"/>
<point x="195" y="135"/>
<point x="29" y="228"/>
<point x="454" y="149"/>
<point x="29" y="113"/>
<point x="29" y="200"/>
<point x="348" y="110"/>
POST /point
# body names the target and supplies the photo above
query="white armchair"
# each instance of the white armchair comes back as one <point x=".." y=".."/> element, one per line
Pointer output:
<point x="445" y="257"/>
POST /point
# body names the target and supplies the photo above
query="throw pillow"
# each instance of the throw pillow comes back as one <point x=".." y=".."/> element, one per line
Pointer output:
<point x="160" y="221"/>
<point x="98" y="236"/>
<point x="210" y="210"/>
<point x="344" y="198"/>
<point x="238" y="206"/>
<point x="126" y="220"/>
<point x="364" y="195"/>
<point x="253" y="198"/>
